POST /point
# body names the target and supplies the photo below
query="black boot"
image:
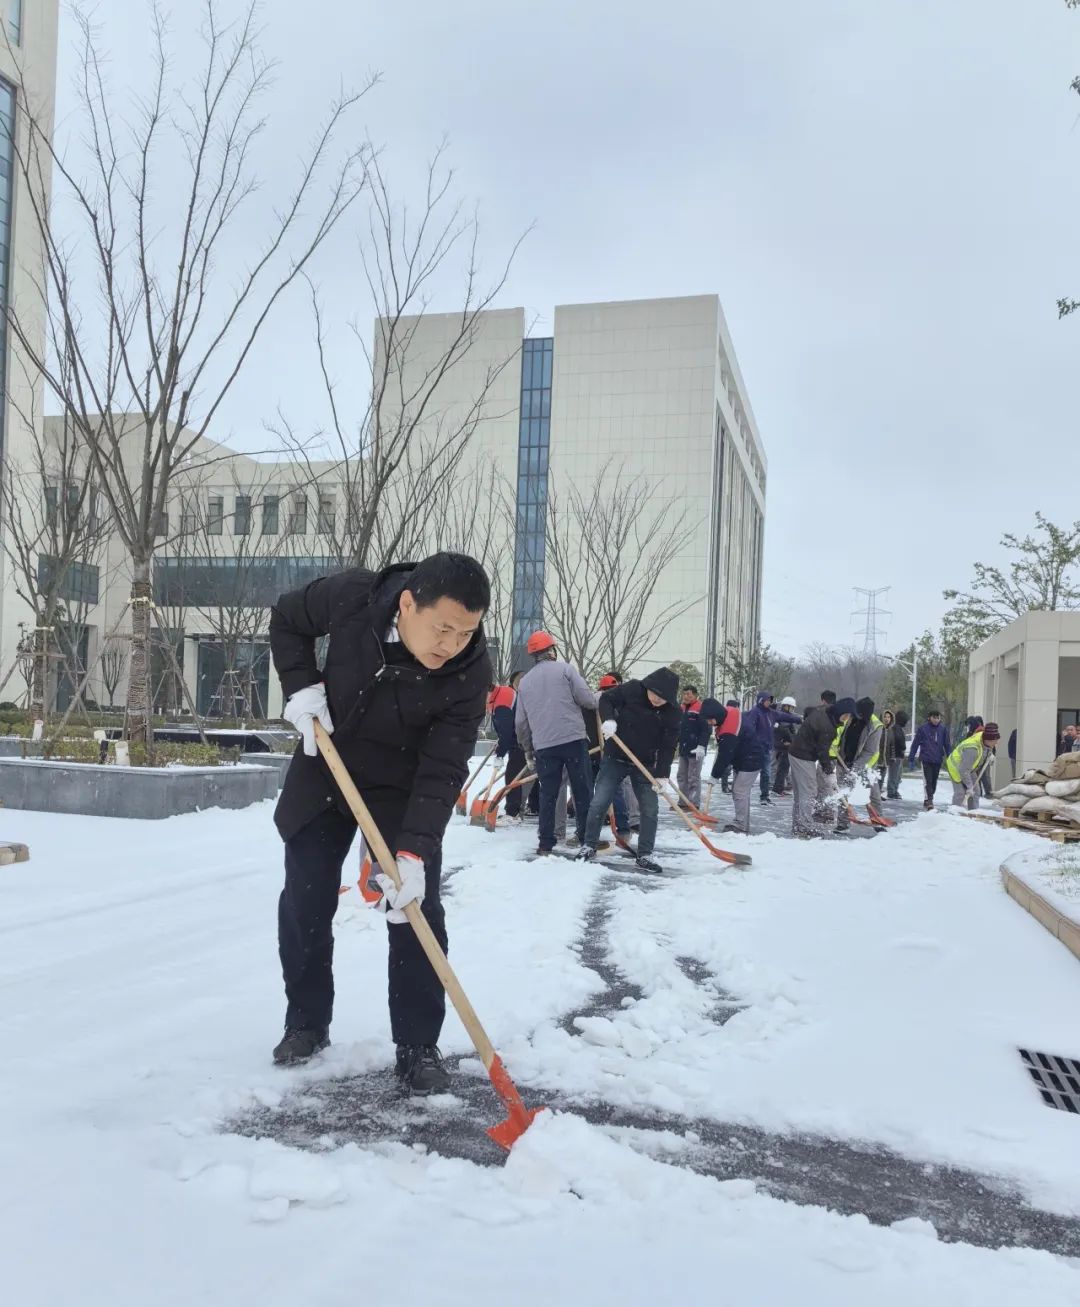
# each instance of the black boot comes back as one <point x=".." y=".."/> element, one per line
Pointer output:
<point x="420" y="1069"/>
<point x="300" y="1045"/>
<point x="648" y="864"/>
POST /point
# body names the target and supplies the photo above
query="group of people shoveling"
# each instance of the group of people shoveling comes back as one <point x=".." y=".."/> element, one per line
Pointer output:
<point x="388" y="723"/>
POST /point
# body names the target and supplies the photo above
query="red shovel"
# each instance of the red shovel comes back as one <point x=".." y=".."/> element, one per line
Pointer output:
<point x="519" y="1116"/>
<point x="736" y="859"/>
<point x="463" y="798"/>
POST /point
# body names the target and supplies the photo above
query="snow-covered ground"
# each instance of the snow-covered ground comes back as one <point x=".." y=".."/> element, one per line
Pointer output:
<point x="886" y="984"/>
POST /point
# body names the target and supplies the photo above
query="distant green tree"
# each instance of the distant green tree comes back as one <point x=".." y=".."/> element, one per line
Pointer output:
<point x="1043" y="576"/>
<point x="943" y="676"/>
<point x="688" y="674"/>
<point x="762" y="668"/>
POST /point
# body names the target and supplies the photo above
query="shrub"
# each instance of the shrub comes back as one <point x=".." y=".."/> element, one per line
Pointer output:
<point x="86" y="749"/>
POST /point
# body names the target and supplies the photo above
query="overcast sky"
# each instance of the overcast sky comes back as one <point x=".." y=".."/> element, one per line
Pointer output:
<point x="885" y="197"/>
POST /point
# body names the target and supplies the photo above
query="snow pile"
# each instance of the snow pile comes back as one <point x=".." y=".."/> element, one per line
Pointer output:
<point x="876" y="991"/>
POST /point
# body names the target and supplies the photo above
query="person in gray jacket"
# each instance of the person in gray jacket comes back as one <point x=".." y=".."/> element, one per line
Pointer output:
<point x="551" y="730"/>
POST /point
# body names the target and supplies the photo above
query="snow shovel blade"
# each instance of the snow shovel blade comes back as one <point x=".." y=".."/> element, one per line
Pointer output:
<point x="478" y="813"/>
<point x="459" y="804"/>
<point x="519" y="1117"/>
<point x="491" y="816"/>
<point x="877" y="818"/>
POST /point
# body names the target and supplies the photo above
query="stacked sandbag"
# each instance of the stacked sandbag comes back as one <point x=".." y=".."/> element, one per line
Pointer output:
<point x="1053" y="789"/>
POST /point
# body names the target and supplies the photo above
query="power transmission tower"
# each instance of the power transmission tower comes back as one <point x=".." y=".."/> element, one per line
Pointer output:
<point x="870" y="615"/>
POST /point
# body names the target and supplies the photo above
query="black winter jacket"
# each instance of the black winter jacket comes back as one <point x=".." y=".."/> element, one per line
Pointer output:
<point x="693" y="730"/>
<point x="650" y="733"/>
<point x="742" y="751"/>
<point x="814" y="737"/>
<point x="398" y="726"/>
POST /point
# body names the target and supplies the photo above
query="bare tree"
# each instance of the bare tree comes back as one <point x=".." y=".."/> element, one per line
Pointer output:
<point x="607" y="550"/>
<point x="232" y="562"/>
<point x="473" y="514"/>
<point x="113" y="666"/>
<point x="740" y="672"/>
<point x="150" y="317"/>
<point x="394" y="464"/>
<point x="53" y="538"/>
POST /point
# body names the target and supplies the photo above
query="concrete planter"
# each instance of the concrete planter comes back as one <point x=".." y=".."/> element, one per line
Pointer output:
<point x="86" y="789"/>
<point x="278" y="763"/>
<point x="1060" y="916"/>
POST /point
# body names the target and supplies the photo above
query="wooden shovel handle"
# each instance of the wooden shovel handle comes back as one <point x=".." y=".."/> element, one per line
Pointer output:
<point x="663" y="788"/>
<point x="386" y="860"/>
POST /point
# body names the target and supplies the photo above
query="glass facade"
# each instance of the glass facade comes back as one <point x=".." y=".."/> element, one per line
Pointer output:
<point x="14" y="21"/>
<point x="80" y="584"/>
<point x="7" y="182"/>
<point x="534" y="439"/>
<point x="231" y="582"/>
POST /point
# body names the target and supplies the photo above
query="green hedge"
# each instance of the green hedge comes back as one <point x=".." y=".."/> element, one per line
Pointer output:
<point x="87" y="750"/>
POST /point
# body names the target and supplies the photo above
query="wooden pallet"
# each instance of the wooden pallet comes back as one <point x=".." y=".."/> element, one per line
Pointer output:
<point x="13" y="853"/>
<point x="1043" y="824"/>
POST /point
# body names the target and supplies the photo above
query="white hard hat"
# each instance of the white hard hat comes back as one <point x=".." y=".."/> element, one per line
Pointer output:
<point x="786" y="700"/>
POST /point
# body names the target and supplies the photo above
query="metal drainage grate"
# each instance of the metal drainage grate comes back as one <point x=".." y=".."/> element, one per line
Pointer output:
<point x="1056" y="1078"/>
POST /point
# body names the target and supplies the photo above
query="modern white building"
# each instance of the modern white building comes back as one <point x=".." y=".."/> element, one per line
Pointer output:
<point x="645" y="394"/>
<point x="1027" y="678"/>
<point x="27" y="83"/>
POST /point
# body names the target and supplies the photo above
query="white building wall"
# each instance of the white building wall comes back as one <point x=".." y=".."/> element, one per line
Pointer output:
<point x="32" y="64"/>
<point x="1022" y="677"/>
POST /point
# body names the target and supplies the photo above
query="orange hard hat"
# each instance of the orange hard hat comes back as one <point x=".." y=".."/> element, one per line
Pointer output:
<point x="539" y="641"/>
<point x="608" y="680"/>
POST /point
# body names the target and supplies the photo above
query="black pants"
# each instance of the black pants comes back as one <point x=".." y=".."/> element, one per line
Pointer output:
<point x="930" y="771"/>
<point x="313" y="861"/>
<point x="783" y="769"/>
<point x="515" y="764"/>
<point x="574" y="756"/>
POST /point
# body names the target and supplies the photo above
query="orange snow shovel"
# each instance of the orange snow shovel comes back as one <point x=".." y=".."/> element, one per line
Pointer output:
<point x="463" y="798"/>
<point x="478" y="809"/>
<point x="735" y="859"/>
<point x="519" y="1117"/>
<point x="491" y="813"/>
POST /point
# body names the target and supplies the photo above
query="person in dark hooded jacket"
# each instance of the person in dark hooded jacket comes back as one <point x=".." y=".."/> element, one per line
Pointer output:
<point x="747" y="759"/>
<point x="762" y="719"/>
<point x="646" y="718"/>
<point x="859" y="751"/>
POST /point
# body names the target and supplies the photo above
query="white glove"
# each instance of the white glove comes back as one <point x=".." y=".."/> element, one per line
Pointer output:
<point x="699" y="752"/>
<point x="411" y="870"/>
<point x="609" y="727"/>
<point x="306" y="707"/>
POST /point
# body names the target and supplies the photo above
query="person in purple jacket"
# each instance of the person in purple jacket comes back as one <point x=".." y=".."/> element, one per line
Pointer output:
<point x="761" y="720"/>
<point x="932" y="745"/>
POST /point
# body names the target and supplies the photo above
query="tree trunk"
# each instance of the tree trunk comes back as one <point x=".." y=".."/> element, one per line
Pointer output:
<point x="41" y="671"/>
<point x="139" y="723"/>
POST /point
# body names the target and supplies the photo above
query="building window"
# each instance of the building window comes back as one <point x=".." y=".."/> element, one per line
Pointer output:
<point x="189" y="518"/>
<point x="52" y="505"/>
<point x="79" y="584"/>
<point x="161" y="525"/>
<point x="270" y="514"/>
<point x="298" y="515"/>
<point x="215" y="518"/>
<point x="242" y="515"/>
<point x="327" y="515"/>
<point x="534" y="439"/>
<point x="14" y="21"/>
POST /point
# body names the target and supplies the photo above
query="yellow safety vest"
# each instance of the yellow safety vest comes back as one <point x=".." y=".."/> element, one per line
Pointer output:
<point x="952" y="763"/>
<point x="834" y="748"/>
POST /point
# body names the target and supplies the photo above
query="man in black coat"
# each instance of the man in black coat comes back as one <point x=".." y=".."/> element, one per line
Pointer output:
<point x="403" y="689"/>
<point x="645" y="716"/>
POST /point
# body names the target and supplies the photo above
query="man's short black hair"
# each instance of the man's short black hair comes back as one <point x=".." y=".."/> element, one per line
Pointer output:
<point x="450" y="576"/>
<point x="691" y="689"/>
<point x="829" y="697"/>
